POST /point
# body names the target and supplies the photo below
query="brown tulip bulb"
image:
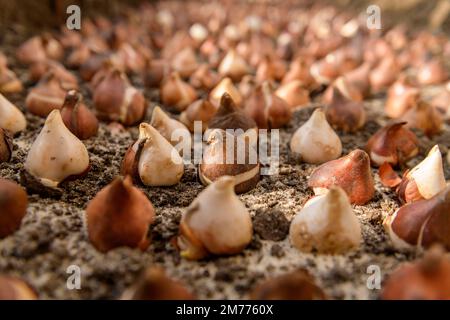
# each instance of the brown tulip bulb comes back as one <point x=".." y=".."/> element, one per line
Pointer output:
<point x="39" y="49"/>
<point x="425" y="117"/>
<point x="225" y="86"/>
<point x="299" y="70"/>
<point x="393" y="144"/>
<point x="119" y="215"/>
<point x="115" y="99"/>
<point x="421" y="223"/>
<point x="359" y="79"/>
<point x="66" y="79"/>
<point x="243" y="165"/>
<point x="352" y="173"/>
<point x="425" y="279"/>
<point x="442" y="102"/>
<point x="201" y="110"/>
<point x="81" y="121"/>
<point x="294" y="94"/>
<point x="432" y="72"/>
<point x="90" y="67"/>
<point x="12" y="288"/>
<point x="13" y="207"/>
<point x="229" y="116"/>
<point x="384" y="74"/>
<point x="233" y="66"/>
<point x="346" y="89"/>
<point x="46" y="96"/>
<point x="9" y="82"/>
<point x="155" y="73"/>
<point x="345" y="114"/>
<point x="6" y="146"/>
<point x="297" y="285"/>
<point x="204" y="78"/>
<point x="78" y="56"/>
<point x="270" y="69"/>
<point x="267" y="109"/>
<point x="176" y="93"/>
<point x="185" y="62"/>
<point x="154" y="284"/>
<point x="401" y="96"/>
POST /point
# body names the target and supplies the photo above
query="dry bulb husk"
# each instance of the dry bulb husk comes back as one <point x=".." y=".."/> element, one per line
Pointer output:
<point x="315" y="141"/>
<point x="352" y="173"/>
<point x="13" y="207"/>
<point x="119" y="215"/>
<point x="216" y="222"/>
<point x="326" y="224"/>
<point x="56" y="155"/>
<point x="152" y="160"/>
<point x="11" y="118"/>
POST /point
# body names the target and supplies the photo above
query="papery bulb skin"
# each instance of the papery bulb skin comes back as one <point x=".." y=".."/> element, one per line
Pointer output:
<point x="177" y="93"/>
<point x="393" y="144"/>
<point x="154" y="284"/>
<point x="327" y="224"/>
<point x="233" y="66"/>
<point x="185" y="62"/>
<point x="46" y="96"/>
<point x="401" y="97"/>
<point x="421" y="223"/>
<point x="11" y="118"/>
<point x="12" y="288"/>
<point x="267" y="109"/>
<point x="425" y="279"/>
<point x="296" y="285"/>
<point x="81" y="121"/>
<point x="6" y="146"/>
<point x="425" y="117"/>
<point x="216" y="222"/>
<point x="56" y="154"/>
<point x="119" y="215"/>
<point x="204" y="78"/>
<point x="225" y="86"/>
<point x="172" y="130"/>
<point x="152" y="160"/>
<point x="344" y="114"/>
<point x="352" y="173"/>
<point x="201" y="110"/>
<point x="294" y="94"/>
<point x="424" y="180"/>
<point x="432" y="72"/>
<point x="243" y="165"/>
<point x="115" y="99"/>
<point x="13" y="207"/>
<point x="315" y="141"/>
<point x="229" y="116"/>
<point x="9" y="82"/>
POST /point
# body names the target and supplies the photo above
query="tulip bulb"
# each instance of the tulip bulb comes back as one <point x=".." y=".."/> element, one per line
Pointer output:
<point x="155" y="72"/>
<point x="204" y="78"/>
<point x="424" y="180"/>
<point x="352" y="173"/>
<point x="66" y="79"/>
<point x="359" y="79"/>
<point x="81" y="121"/>
<point x="270" y="69"/>
<point x="9" y="82"/>
<point x="229" y="116"/>
<point x="38" y="49"/>
<point x="425" y="117"/>
<point x="401" y="97"/>
<point x="384" y="74"/>
<point x="152" y="160"/>
<point x="6" y="146"/>
<point x="46" y="96"/>
<point x="225" y="86"/>
<point x="13" y="207"/>
<point x="12" y="288"/>
<point x="345" y="114"/>
<point x="426" y="279"/>
<point x="294" y="94"/>
<point x="299" y="71"/>
<point x="185" y="62"/>
<point x="243" y="165"/>
<point x="432" y="72"/>
<point x="216" y="222"/>
<point x="177" y="93"/>
<point x="119" y="215"/>
<point x="326" y="224"/>
<point x="115" y="99"/>
<point x="347" y="90"/>
<point x="267" y="109"/>
<point x="421" y="223"/>
<point x="233" y="66"/>
<point x="11" y="118"/>
<point x="297" y="285"/>
<point x="201" y="110"/>
<point x="56" y="154"/>
<point x="393" y="144"/>
<point x="171" y="129"/>
<point x="154" y="284"/>
<point x="315" y="141"/>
